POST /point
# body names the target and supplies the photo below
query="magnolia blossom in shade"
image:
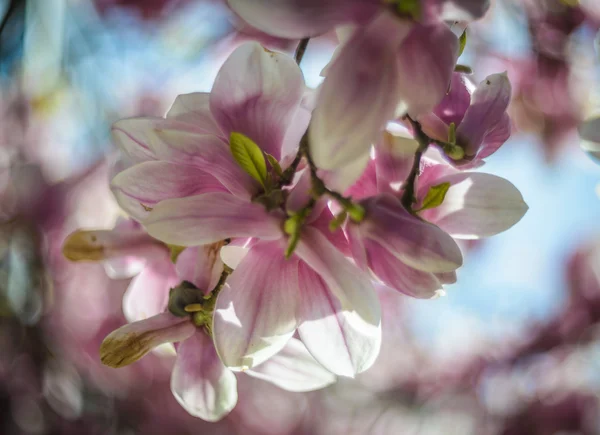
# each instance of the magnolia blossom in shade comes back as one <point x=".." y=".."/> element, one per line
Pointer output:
<point x="203" y="196"/>
<point x="589" y="131"/>
<point x="390" y="63"/>
<point x="200" y="381"/>
<point x="481" y="122"/>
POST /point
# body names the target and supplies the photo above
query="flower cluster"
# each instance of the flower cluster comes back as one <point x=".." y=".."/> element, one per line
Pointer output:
<point x="264" y="213"/>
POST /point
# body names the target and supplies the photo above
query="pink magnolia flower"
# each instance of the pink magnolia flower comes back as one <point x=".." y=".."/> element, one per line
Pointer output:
<point x="187" y="189"/>
<point x="480" y="118"/>
<point x="155" y="305"/>
<point x="392" y="63"/>
<point x="414" y="251"/>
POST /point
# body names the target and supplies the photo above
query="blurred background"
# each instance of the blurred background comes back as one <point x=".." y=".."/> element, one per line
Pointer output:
<point x="514" y="346"/>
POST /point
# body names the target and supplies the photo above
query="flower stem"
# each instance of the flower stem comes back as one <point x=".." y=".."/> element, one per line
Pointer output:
<point x="300" y="50"/>
<point x="408" y="196"/>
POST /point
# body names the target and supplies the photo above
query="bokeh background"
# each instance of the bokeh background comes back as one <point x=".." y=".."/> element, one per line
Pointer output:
<point x="514" y="346"/>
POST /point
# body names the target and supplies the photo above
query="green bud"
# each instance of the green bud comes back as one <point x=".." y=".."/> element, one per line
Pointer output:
<point x="462" y="43"/>
<point x="452" y="133"/>
<point x="435" y="196"/>
<point x="463" y="69"/>
<point x="337" y="221"/>
<point x="356" y="212"/>
<point x="183" y="295"/>
<point x="455" y="152"/>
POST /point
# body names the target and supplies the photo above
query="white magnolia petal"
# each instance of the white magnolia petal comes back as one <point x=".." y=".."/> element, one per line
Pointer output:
<point x="209" y="218"/>
<point x="339" y="339"/>
<point x="255" y="314"/>
<point x="260" y="102"/>
<point x="477" y="205"/>
<point x="200" y="382"/>
<point x="294" y="369"/>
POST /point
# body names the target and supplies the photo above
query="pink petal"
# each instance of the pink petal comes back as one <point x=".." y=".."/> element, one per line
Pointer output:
<point x="365" y="74"/>
<point x="194" y="109"/>
<point x="488" y="106"/>
<point x="349" y="284"/>
<point x="145" y="139"/>
<point x="426" y="61"/>
<point x="455" y="103"/>
<point x="148" y="293"/>
<point x="395" y="156"/>
<point x="477" y="205"/>
<point x="139" y="188"/>
<point x="394" y="273"/>
<point x="131" y="342"/>
<point x="200" y="382"/>
<point x="339" y="339"/>
<point x="202" y="266"/>
<point x="294" y="19"/>
<point x="99" y="245"/>
<point x="300" y="195"/>
<point x="494" y="139"/>
<point x="336" y="238"/>
<point x="342" y="178"/>
<point x="366" y="185"/>
<point x="257" y="93"/>
<point x="416" y="243"/>
<point x="209" y="218"/>
<point x="255" y="314"/>
<point x="293" y="369"/>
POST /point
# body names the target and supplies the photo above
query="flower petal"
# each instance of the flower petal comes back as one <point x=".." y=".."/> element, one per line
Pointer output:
<point x="396" y="274"/>
<point x="416" y="243"/>
<point x="148" y="292"/>
<point x="477" y="205"/>
<point x="348" y="283"/>
<point x="145" y="139"/>
<point x="426" y="61"/>
<point x="139" y="188"/>
<point x="209" y="218"/>
<point x="463" y="10"/>
<point x="255" y="314"/>
<point x="194" y="109"/>
<point x="455" y="103"/>
<point x="589" y="131"/>
<point x="200" y="382"/>
<point x="99" y="245"/>
<point x="487" y="109"/>
<point x="131" y="342"/>
<point x="395" y="156"/>
<point x="365" y="74"/>
<point x="293" y="19"/>
<point x="257" y="93"/>
<point x="293" y="369"/>
<point x="339" y="339"/>
<point x="202" y="265"/>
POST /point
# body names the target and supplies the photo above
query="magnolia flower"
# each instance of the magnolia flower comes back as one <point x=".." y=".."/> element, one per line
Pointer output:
<point x="399" y="59"/>
<point x="163" y="312"/>
<point x="200" y="176"/>
<point x="477" y="123"/>
<point x="414" y="251"/>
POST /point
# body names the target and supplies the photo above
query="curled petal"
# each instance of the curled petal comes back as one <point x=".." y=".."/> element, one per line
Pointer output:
<point x="255" y="314"/>
<point x="194" y="109"/>
<point x="131" y="342"/>
<point x="209" y="218"/>
<point x="262" y="101"/>
<point x="148" y="292"/>
<point x="365" y="74"/>
<point x="200" y="382"/>
<point x="394" y="273"/>
<point x="293" y="369"/>
<point x="477" y="205"/>
<point x="416" y="243"/>
<point x="202" y="265"/>
<point x="349" y="284"/>
<point x="455" y="103"/>
<point x="426" y="60"/>
<point x="338" y="338"/>
<point x="99" y="245"/>
<point x="296" y="19"/>
<point x="139" y="188"/>
<point x="488" y="106"/>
